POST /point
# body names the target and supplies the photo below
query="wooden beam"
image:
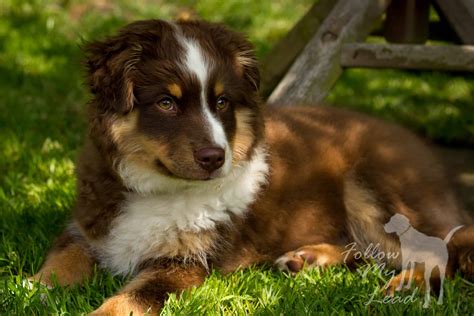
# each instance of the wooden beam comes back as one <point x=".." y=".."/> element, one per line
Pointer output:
<point x="317" y="68"/>
<point x="283" y="54"/>
<point x="439" y="57"/>
<point x="460" y="15"/>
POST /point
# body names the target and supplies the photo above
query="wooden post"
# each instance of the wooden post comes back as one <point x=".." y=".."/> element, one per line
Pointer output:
<point x="460" y="15"/>
<point x="407" y="21"/>
<point x="283" y="54"/>
<point x="317" y="68"/>
<point x="439" y="57"/>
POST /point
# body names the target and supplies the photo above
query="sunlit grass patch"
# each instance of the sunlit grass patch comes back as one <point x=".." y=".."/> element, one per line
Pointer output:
<point x="438" y="105"/>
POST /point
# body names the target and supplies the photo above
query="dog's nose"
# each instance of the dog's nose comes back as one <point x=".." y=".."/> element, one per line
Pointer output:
<point x="210" y="158"/>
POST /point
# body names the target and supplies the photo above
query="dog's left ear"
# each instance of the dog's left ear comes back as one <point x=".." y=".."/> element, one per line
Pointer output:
<point x="246" y="60"/>
<point x="110" y="64"/>
<point x="237" y="44"/>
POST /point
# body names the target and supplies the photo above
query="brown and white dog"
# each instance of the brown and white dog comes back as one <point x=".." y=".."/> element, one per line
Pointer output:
<point x="184" y="171"/>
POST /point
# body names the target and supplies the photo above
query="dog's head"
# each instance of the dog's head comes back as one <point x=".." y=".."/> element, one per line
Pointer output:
<point x="175" y="99"/>
<point x="398" y="223"/>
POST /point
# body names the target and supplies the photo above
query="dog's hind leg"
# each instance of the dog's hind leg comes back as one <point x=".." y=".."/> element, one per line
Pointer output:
<point x="410" y="276"/>
<point x="410" y="267"/>
<point x="414" y="277"/>
<point x="319" y="255"/>
<point x="403" y="276"/>
<point x="67" y="263"/>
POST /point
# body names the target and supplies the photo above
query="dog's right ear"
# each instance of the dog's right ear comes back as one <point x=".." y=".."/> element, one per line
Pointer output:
<point x="110" y="64"/>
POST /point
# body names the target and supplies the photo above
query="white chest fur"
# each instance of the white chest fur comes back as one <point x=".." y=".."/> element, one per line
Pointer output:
<point x="177" y="222"/>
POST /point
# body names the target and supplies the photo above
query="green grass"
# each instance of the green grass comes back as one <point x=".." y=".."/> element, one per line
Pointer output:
<point x="253" y="292"/>
<point x="42" y="126"/>
<point x="434" y="104"/>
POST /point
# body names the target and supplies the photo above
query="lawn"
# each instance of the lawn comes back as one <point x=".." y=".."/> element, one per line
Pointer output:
<point x="42" y="105"/>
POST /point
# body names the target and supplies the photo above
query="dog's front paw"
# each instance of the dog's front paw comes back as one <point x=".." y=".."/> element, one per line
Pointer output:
<point x="121" y="305"/>
<point x="42" y="280"/>
<point x="37" y="285"/>
<point x="310" y="256"/>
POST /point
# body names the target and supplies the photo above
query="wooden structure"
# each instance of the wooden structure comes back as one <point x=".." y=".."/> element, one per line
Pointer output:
<point x="306" y="64"/>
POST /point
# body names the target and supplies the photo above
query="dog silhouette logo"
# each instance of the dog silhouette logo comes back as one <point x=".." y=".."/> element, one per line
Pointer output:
<point x="418" y="248"/>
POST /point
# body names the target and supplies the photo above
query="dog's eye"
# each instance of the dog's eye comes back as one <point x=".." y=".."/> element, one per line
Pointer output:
<point x="167" y="104"/>
<point x="222" y="103"/>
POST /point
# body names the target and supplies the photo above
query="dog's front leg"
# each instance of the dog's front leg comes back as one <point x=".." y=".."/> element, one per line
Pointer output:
<point x="147" y="292"/>
<point x="68" y="262"/>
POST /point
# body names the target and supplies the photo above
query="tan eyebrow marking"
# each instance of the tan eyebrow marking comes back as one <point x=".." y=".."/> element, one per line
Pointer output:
<point x="175" y="90"/>
<point x="218" y="88"/>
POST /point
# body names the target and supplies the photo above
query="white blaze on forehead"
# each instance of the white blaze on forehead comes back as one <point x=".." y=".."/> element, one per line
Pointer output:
<point x="196" y="63"/>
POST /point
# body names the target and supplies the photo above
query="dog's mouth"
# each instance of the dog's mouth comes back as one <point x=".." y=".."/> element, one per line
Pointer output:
<point x="201" y="176"/>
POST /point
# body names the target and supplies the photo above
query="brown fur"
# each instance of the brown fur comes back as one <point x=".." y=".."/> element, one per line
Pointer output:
<point x="417" y="279"/>
<point x="334" y="176"/>
<point x="68" y="263"/>
<point x="244" y="136"/>
<point x="320" y="255"/>
<point x="122" y="304"/>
